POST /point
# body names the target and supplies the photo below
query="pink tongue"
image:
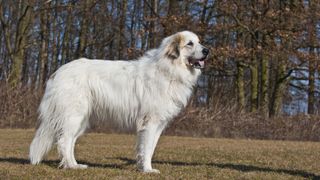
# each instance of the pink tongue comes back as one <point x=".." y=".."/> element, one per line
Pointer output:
<point x="201" y="63"/>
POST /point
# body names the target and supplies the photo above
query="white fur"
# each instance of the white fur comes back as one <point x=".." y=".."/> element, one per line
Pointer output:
<point x="143" y="95"/>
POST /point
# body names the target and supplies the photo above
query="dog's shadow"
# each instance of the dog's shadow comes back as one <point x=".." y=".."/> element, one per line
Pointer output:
<point x="55" y="163"/>
<point x="128" y="161"/>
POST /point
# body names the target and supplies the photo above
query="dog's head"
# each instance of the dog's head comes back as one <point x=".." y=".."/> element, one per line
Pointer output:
<point x="185" y="48"/>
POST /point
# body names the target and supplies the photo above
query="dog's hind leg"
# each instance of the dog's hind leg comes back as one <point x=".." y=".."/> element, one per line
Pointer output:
<point x="80" y="132"/>
<point x="147" y="139"/>
<point x="73" y="129"/>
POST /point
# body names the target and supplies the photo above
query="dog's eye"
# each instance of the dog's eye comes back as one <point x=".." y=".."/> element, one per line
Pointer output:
<point x="190" y="43"/>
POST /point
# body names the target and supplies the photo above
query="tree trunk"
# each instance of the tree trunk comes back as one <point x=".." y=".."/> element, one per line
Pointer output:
<point x="122" y="21"/>
<point x="264" y="106"/>
<point x="240" y="87"/>
<point x="254" y="87"/>
<point x="311" y="85"/>
<point x="67" y="45"/>
<point x="173" y="12"/>
<point x="312" y="61"/>
<point x="44" y="48"/>
<point x="279" y="86"/>
<point x="18" y="52"/>
<point x="153" y="25"/>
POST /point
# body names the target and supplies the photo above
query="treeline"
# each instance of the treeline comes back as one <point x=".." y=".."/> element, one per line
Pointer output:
<point x="264" y="53"/>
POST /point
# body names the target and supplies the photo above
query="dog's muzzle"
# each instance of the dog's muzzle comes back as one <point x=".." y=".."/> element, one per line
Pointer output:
<point x="199" y="63"/>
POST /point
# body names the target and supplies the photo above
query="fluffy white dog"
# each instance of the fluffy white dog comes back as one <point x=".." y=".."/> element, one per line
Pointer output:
<point x="143" y="95"/>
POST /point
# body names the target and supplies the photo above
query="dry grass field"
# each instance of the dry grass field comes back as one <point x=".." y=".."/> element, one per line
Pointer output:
<point x="111" y="156"/>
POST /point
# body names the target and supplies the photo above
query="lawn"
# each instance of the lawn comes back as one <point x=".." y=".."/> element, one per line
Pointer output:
<point x="111" y="156"/>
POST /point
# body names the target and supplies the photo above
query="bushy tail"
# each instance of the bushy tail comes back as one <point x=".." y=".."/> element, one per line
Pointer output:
<point x="41" y="143"/>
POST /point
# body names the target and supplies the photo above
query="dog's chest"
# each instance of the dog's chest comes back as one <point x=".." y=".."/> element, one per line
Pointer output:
<point x="172" y="100"/>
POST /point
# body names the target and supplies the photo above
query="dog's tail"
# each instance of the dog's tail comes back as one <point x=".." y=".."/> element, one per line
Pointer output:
<point x="41" y="143"/>
<point x="46" y="132"/>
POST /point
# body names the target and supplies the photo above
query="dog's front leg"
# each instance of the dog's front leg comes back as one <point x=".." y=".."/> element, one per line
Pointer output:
<point x="147" y="138"/>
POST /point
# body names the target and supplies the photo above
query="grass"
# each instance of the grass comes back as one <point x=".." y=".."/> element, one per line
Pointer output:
<point x="111" y="156"/>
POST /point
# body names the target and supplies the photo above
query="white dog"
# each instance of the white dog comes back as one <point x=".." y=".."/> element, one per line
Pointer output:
<point x="143" y="95"/>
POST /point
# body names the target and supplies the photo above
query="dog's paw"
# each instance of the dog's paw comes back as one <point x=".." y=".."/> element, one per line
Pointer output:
<point x="78" y="166"/>
<point x="156" y="171"/>
<point x="82" y="166"/>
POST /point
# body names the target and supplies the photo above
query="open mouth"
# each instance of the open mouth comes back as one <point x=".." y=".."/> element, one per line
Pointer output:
<point x="197" y="63"/>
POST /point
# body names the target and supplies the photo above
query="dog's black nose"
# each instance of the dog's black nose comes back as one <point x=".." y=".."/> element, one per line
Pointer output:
<point x="205" y="51"/>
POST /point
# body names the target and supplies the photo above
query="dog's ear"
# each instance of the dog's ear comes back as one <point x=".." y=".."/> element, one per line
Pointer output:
<point x="173" y="48"/>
